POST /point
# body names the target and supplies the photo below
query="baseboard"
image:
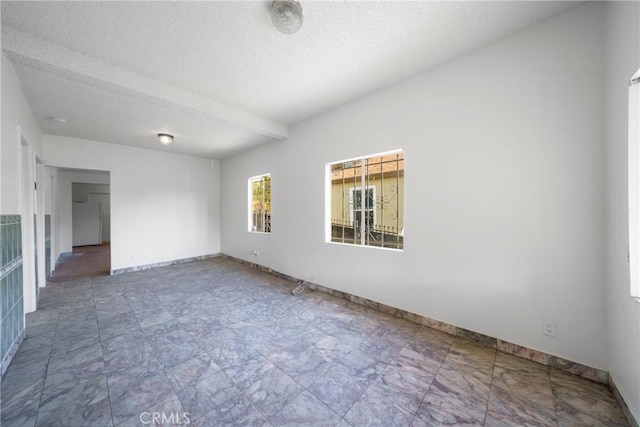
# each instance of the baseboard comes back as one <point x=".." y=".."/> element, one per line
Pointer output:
<point x="623" y="404"/>
<point x="552" y="361"/>
<point x="161" y="264"/>
<point x="62" y="255"/>
<point x="12" y="352"/>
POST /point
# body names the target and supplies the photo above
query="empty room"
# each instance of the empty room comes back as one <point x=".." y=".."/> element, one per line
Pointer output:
<point x="320" y="213"/>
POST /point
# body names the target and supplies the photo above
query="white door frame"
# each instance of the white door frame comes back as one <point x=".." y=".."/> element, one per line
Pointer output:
<point x="39" y="197"/>
<point x="27" y="182"/>
<point x="53" y="216"/>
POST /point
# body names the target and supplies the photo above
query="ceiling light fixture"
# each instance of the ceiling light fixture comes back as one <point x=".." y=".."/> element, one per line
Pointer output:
<point x="286" y="16"/>
<point x="165" y="138"/>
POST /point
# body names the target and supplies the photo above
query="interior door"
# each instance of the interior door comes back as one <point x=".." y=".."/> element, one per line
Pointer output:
<point x="105" y="208"/>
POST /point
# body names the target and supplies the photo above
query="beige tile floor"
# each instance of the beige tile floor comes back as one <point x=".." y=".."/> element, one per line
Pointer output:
<point x="230" y="345"/>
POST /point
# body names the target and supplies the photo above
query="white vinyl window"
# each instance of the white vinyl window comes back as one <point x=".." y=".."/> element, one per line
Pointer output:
<point x="634" y="185"/>
<point x="365" y="198"/>
<point x="260" y="203"/>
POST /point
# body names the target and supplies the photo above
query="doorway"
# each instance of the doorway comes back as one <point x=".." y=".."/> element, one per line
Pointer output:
<point x="91" y="214"/>
<point x="84" y="206"/>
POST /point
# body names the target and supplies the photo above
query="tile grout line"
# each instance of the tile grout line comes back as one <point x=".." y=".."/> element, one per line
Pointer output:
<point x="163" y="367"/>
<point x="288" y="376"/>
<point x="103" y="361"/>
<point x="426" y="393"/>
<point x="622" y="404"/>
<point x="44" y="380"/>
<point x="303" y="387"/>
<point x="104" y="366"/>
<point x="493" y="369"/>
<point x="154" y="353"/>
<point x="555" y="404"/>
<point x="435" y="375"/>
<point x="204" y="350"/>
<point x="364" y="391"/>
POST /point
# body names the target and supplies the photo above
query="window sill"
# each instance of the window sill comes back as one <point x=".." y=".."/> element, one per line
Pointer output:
<point x="364" y="246"/>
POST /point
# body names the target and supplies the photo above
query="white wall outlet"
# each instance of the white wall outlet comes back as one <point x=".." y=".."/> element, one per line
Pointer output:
<point x="256" y="253"/>
<point x="550" y="328"/>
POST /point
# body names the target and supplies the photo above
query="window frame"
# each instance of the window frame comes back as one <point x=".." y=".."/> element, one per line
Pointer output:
<point x="250" y="184"/>
<point x="363" y="186"/>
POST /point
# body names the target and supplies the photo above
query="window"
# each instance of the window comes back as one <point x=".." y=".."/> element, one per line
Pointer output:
<point x="365" y="201"/>
<point x="260" y="203"/>
<point x="634" y="184"/>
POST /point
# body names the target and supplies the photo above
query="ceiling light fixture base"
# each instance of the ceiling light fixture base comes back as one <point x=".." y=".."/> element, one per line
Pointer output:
<point x="286" y="16"/>
<point x="165" y="138"/>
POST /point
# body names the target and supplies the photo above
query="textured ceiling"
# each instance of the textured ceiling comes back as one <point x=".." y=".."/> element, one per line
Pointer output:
<point x="217" y="74"/>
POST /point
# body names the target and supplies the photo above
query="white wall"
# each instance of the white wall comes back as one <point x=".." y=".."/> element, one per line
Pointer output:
<point x="622" y="61"/>
<point x="16" y="119"/>
<point x="81" y="191"/>
<point x="504" y="217"/>
<point x="164" y="206"/>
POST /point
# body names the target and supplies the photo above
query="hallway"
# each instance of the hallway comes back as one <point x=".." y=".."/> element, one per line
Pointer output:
<point x="85" y="261"/>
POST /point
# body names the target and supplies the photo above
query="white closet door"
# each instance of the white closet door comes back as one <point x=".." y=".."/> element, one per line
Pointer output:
<point x="86" y="224"/>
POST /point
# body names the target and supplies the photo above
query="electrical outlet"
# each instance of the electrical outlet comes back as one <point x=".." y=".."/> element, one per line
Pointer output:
<point x="256" y="253"/>
<point x="550" y="328"/>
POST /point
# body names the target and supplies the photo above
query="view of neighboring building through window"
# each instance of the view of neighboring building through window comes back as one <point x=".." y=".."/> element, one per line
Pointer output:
<point x="260" y="203"/>
<point x="367" y="197"/>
